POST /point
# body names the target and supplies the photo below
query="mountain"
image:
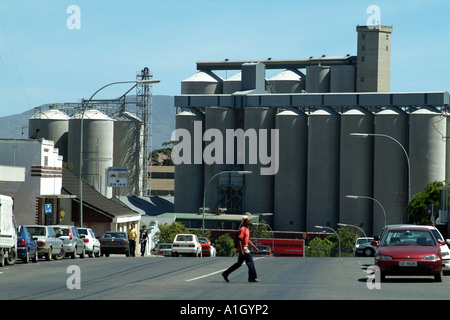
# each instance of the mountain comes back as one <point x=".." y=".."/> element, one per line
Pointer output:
<point x="163" y="120"/>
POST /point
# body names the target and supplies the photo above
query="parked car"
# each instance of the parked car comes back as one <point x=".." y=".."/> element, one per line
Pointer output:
<point x="262" y="250"/>
<point x="186" y="244"/>
<point x="207" y="248"/>
<point x="445" y="250"/>
<point x="409" y="250"/>
<point x="364" y="247"/>
<point x="91" y="243"/>
<point x="27" y="248"/>
<point x="164" y="249"/>
<point x="49" y="246"/>
<point x="72" y="241"/>
<point x="115" y="242"/>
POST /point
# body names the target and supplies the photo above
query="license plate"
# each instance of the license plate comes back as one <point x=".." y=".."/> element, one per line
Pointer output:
<point x="112" y="242"/>
<point x="408" y="263"/>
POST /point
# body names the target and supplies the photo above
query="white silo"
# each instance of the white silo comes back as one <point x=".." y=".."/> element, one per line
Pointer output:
<point x="290" y="180"/>
<point x="51" y="124"/>
<point x="259" y="186"/>
<point x="426" y="148"/>
<point x="233" y="83"/>
<point x="343" y="78"/>
<point x="203" y="82"/>
<point x="217" y="121"/>
<point x="317" y="79"/>
<point x="287" y="81"/>
<point x="390" y="167"/>
<point x="98" y="136"/>
<point x="323" y="169"/>
<point x="187" y="156"/>
<point x="128" y="151"/>
<point x="356" y="169"/>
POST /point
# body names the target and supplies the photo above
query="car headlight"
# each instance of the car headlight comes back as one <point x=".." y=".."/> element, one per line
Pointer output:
<point x="379" y="258"/>
<point x="433" y="257"/>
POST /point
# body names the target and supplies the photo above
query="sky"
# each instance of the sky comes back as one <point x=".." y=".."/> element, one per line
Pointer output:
<point x="56" y="51"/>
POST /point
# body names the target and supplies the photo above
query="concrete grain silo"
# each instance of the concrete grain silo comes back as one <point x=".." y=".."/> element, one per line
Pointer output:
<point x="187" y="155"/>
<point x="290" y="181"/>
<point x="51" y="124"/>
<point x="98" y="136"/>
<point x="203" y="82"/>
<point x="233" y="83"/>
<point x="323" y="169"/>
<point x="390" y="167"/>
<point x="426" y="148"/>
<point x="356" y="169"/>
<point x="342" y="78"/>
<point x="287" y="81"/>
<point x="128" y="152"/>
<point x="259" y="186"/>
<point x="317" y="79"/>
<point x="217" y="121"/>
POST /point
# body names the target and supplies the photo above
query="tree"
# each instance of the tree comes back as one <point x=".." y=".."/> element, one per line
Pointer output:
<point x="417" y="207"/>
<point x="167" y="233"/>
<point x="225" y="246"/>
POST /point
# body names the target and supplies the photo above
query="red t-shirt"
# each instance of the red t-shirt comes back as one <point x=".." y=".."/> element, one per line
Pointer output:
<point x="244" y="235"/>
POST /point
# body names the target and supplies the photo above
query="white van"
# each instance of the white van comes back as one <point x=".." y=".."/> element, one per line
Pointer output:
<point x="8" y="232"/>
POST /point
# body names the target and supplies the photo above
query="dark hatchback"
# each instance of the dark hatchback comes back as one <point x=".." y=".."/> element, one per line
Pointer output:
<point x="114" y="242"/>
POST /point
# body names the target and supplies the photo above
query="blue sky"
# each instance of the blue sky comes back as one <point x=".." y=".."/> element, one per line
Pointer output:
<point x="43" y="61"/>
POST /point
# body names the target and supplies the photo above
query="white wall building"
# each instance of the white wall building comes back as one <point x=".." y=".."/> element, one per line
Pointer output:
<point x="35" y="199"/>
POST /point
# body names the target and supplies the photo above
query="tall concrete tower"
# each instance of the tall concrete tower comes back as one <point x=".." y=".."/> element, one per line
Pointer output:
<point x="373" y="70"/>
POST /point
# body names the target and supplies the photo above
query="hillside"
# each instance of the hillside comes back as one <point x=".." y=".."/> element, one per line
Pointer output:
<point x="163" y="119"/>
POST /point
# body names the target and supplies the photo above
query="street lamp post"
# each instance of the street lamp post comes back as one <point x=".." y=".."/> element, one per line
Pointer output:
<point x="206" y="187"/>
<point x="365" y="135"/>
<point x="339" y="239"/>
<point x="83" y="106"/>
<point x="352" y="225"/>
<point x="365" y="197"/>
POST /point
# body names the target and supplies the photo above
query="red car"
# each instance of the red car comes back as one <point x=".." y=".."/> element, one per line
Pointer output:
<point x="411" y="250"/>
<point x="207" y="248"/>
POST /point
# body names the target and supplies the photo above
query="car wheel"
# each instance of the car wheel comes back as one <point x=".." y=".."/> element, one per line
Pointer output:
<point x="73" y="255"/>
<point x="438" y="277"/>
<point x="26" y="259"/>
<point x="36" y="257"/>
<point x="60" y="255"/>
<point x="83" y="253"/>
<point x="98" y="253"/>
<point x="12" y="257"/>
<point x="368" y="252"/>
<point x="48" y="255"/>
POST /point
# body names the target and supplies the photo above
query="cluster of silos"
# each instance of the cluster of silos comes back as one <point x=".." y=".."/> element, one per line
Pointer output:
<point x="321" y="164"/>
<point x="206" y="82"/>
<point x="336" y="78"/>
<point x="107" y="141"/>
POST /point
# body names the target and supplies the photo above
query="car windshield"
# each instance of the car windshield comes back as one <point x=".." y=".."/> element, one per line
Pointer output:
<point x="61" y="231"/>
<point x="83" y="232"/>
<point x="37" y="231"/>
<point x="165" y="246"/>
<point x="363" y="240"/>
<point x="407" y="237"/>
<point x="184" y="237"/>
<point x="202" y="240"/>
<point x="115" y="235"/>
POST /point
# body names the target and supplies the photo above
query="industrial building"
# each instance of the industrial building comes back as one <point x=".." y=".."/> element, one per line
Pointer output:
<point x="325" y="173"/>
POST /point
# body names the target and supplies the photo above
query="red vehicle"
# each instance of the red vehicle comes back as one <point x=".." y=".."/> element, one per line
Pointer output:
<point x="409" y="251"/>
<point x="283" y="247"/>
<point x="207" y="248"/>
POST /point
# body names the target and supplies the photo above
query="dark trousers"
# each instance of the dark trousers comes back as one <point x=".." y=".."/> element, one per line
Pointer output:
<point x="132" y="247"/>
<point x="248" y="261"/>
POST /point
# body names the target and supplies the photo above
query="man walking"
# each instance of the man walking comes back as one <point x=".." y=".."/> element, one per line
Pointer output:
<point x="132" y="235"/>
<point x="244" y="253"/>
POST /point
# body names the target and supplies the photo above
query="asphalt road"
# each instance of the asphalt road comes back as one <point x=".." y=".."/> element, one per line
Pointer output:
<point x="199" y="279"/>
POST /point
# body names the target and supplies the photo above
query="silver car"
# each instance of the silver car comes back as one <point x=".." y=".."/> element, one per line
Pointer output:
<point x="49" y="246"/>
<point x="72" y="241"/>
